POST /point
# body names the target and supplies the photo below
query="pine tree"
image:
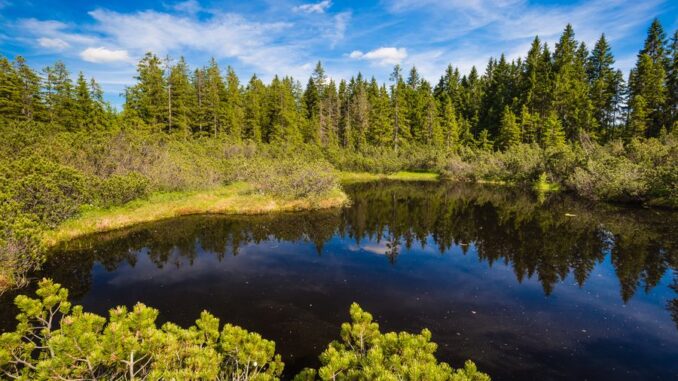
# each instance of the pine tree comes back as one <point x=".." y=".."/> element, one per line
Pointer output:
<point x="638" y="118"/>
<point x="571" y="96"/>
<point x="648" y="80"/>
<point x="380" y="131"/>
<point x="450" y="126"/>
<point x="554" y="135"/>
<point x="215" y="94"/>
<point x="605" y="82"/>
<point x="31" y="102"/>
<point x="509" y="133"/>
<point x="673" y="84"/>
<point x="529" y="126"/>
<point x="147" y="99"/>
<point x="10" y="94"/>
<point x="181" y="102"/>
<point x="254" y="109"/>
<point x="84" y="107"/>
<point x="233" y="106"/>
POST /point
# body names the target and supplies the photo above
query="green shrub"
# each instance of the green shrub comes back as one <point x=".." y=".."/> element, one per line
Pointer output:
<point x="121" y="189"/>
<point x="55" y="340"/>
<point x="47" y="190"/>
<point x="364" y="353"/>
<point x="290" y="178"/>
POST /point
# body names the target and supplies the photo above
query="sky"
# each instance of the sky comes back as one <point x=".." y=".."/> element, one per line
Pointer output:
<point x="105" y="39"/>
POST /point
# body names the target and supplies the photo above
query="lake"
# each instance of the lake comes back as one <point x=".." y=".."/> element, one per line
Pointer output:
<point x="527" y="287"/>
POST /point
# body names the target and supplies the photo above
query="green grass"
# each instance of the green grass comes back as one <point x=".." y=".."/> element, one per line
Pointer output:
<point x="237" y="198"/>
<point x="358" y="177"/>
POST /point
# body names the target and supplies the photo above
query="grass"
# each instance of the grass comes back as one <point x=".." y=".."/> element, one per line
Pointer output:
<point x="237" y="198"/>
<point x="359" y="177"/>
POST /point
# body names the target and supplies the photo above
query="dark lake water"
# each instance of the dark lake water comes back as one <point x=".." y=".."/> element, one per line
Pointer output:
<point x="529" y="289"/>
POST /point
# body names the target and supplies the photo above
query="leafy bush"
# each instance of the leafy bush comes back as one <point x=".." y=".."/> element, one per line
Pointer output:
<point x="47" y="190"/>
<point x="121" y="189"/>
<point x="290" y="178"/>
<point x="364" y="353"/>
<point x="56" y="340"/>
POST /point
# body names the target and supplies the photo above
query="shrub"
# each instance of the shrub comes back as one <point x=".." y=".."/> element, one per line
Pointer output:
<point x="47" y="190"/>
<point x="121" y="189"/>
<point x="55" y="340"/>
<point x="364" y="353"/>
<point x="290" y="178"/>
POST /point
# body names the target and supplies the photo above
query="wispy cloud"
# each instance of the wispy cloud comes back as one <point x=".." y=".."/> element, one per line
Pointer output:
<point x="382" y="56"/>
<point x="104" y="55"/>
<point x="53" y="43"/>
<point x="320" y="7"/>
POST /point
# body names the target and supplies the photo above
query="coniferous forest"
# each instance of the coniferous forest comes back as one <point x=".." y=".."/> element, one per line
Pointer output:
<point x="562" y="118"/>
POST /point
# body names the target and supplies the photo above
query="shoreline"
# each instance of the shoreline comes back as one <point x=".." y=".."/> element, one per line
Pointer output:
<point x="233" y="199"/>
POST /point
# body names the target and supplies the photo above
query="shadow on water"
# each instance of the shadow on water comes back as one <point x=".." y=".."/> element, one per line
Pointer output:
<point x="550" y="289"/>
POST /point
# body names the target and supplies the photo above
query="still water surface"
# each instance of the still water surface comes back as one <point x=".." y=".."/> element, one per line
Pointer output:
<point x="554" y="289"/>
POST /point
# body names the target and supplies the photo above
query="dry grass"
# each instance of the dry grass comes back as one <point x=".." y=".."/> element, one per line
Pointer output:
<point x="237" y="198"/>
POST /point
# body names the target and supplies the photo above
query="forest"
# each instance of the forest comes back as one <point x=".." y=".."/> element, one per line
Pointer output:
<point x="562" y="118"/>
<point x="559" y="118"/>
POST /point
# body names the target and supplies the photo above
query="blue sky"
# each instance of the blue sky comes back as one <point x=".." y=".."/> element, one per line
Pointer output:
<point x="105" y="38"/>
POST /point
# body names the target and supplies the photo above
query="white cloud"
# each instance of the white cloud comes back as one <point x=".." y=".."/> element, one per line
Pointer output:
<point x="191" y="7"/>
<point x="53" y="43"/>
<point x="320" y="7"/>
<point x="104" y="55"/>
<point x="381" y="56"/>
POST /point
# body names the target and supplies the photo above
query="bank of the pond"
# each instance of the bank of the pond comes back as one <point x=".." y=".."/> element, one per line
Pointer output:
<point x="237" y="198"/>
<point x="358" y="177"/>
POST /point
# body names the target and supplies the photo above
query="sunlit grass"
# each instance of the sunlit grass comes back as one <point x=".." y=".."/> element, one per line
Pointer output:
<point x="357" y="177"/>
<point x="237" y="198"/>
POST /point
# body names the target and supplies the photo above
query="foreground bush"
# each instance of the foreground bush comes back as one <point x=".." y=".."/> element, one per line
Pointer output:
<point x="55" y="341"/>
<point x="364" y="353"/>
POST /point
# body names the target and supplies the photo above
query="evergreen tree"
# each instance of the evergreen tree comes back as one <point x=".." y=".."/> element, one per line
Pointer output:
<point x="509" y="133"/>
<point x="254" y="112"/>
<point x="571" y="98"/>
<point x="450" y="126"/>
<point x="29" y="90"/>
<point x="181" y="102"/>
<point x="605" y="82"/>
<point x="215" y="94"/>
<point x="84" y="107"/>
<point x="10" y="95"/>
<point x="554" y="135"/>
<point x="648" y="80"/>
<point x="147" y="99"/>
<point x="673" y="83"/>
<point x="234" y="113"/>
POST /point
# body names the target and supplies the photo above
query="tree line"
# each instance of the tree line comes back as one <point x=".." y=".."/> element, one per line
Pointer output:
<point x="547" y="98"/>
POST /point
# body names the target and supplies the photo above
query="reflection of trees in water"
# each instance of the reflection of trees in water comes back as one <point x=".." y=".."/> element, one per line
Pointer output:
<point x="548" y="239"/>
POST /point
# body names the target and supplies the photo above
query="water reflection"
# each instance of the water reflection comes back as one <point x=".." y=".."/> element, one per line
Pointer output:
<point x="442" y="251"/>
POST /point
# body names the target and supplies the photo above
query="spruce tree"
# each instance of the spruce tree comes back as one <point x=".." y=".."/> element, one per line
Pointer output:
<point x="254" y="112"/>
<point x="10" y="91"/>
<point x="605" y="83"/>
<point x="648" y="79"/>
<point x="233" y="106"/>
<point x="31" y="103"/>
<point x="554" y="135"/>
<point x="182" y="98"/>
<point x="509" y="132"/>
